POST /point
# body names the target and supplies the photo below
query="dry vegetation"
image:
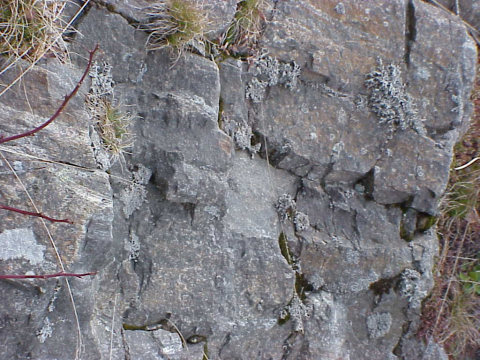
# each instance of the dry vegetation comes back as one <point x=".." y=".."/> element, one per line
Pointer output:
<point x="113" y="125"/>
<point x="246" y="28"/>
<point x="175" y="25"/>
<point x="31" y="28"/>
<point x="451" y="315"/>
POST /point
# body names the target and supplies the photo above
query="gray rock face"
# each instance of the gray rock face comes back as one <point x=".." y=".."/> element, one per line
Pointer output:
<point x="269" y="208"/>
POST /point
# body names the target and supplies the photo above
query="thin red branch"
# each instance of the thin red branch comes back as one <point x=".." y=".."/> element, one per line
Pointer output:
<point x="62" y="105"/>
<point x="60" y="274"/>
<point x="30" y="213"/>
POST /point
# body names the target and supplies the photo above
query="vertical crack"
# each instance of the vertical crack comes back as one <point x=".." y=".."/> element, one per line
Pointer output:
<point x="410" y="30"/>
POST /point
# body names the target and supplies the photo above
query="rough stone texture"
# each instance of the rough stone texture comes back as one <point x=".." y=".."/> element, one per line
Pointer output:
<point x="193" y="251"/>
<point x="469" y="10"/>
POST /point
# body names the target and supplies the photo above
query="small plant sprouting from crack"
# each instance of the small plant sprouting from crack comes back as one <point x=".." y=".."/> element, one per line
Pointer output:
<point x="243" y="33"/>
<point x="112" y="123"/>
<point x="296" y="310"/>
<point x="175" y="25"/>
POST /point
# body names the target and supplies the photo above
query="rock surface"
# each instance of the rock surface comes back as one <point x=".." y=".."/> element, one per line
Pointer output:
<point x="269" y="208"/>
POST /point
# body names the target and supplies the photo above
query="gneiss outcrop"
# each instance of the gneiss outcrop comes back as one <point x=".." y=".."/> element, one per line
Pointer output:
<point x="276" y="198"/>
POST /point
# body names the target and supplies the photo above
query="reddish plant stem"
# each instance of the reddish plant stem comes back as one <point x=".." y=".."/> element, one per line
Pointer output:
<point x="62" y="105"/>
<point x="30" y="213"/>
<point x="59" y="274"/>
<point x="45" y="124"/>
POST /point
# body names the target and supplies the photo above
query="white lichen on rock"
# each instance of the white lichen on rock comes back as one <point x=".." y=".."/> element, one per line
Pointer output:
<point x="288" y="75"/>
<point x="270" y="72"/>
<point x="297" y="311"/>
<point x="389" y="99"/>
<point x="301" y="221"/>
<point x="270" y="67"/>
<point x="133" y="248"/>
<point x="340" y="8"/>
<point x="378" y="324"/>
<point x="336" y="151"/>
<point x="409" y="287"/>
<point x="243" y="139"/>
<point x="286" y="207"/>
<point x="134" y="195"/>
<point x="51" y="304"/>
<point x="361" y="101"/>
<point x="242" y="135"/>
<point x="102" y="84"/>
<point x="46" y="331"/>
<point x="256" y="90"/>
<point x="101" y="156"/>
<point x="21" y="244"/>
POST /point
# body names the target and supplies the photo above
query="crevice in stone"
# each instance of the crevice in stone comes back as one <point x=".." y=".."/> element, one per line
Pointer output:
<point x="406" y="332"/>
<point x="112" y="9"/>
<point x="410" y="30"/>
<point x="221" y="108"/>
<point x="285" y="251"/>
<point x="126" y="348"/>
<point x="414" y="222"/>
<point x="222" y="346"/>
<point x="288" y="344"/>
<point x="163" y="324"/>
<point x="71" y="34"/>
<point x="190" y="208"/>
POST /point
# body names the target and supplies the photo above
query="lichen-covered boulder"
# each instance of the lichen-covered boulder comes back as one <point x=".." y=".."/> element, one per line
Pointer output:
<point x="271" y="205"/>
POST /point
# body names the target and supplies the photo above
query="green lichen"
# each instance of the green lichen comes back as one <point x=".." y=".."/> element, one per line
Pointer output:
<point x="282" y="243"/>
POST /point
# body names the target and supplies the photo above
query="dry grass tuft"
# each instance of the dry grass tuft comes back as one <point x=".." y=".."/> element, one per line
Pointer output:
<point x="246" y="28"/>
<point x="113" y="126"/>
<point x="174" y="24"/>
<point x="28" y="28"/>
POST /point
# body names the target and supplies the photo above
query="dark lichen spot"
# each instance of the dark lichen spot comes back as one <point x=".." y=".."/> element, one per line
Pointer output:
<point x="384" y="286"/>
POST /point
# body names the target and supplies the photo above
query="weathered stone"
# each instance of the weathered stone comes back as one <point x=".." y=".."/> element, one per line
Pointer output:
<point x="303" y="256"/>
